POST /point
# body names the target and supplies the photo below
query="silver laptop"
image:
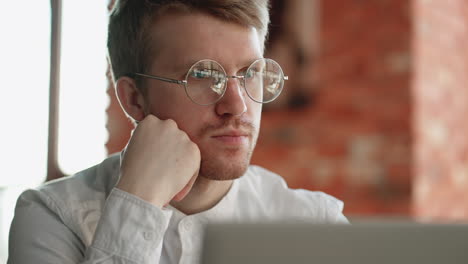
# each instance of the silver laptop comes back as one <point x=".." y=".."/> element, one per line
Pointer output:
<point x="370" y="243"/>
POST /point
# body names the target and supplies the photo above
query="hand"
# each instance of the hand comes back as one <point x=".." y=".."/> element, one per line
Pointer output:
<point x="160" y="163"/>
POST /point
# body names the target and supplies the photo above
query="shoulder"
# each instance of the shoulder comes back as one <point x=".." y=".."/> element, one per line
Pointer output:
<point x="72" y="199"/>
<point x="92" y="183"/>
<point x="293" y="203"/>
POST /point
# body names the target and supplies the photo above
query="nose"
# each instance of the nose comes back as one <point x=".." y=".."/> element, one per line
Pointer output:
<point x="233" y="101"/>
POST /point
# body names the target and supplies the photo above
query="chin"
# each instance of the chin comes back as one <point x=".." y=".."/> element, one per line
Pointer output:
<point x="225" y="168"/>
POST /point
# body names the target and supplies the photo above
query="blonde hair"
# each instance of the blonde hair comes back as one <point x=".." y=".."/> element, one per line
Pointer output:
<point x="130" y="45"/>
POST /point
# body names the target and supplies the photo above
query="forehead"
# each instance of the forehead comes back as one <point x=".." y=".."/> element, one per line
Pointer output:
<point x="179" y="40"/>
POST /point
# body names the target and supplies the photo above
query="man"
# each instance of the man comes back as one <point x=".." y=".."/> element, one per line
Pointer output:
<point x="191" y="74"/>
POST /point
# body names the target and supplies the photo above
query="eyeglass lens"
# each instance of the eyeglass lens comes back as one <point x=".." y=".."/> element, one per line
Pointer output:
<point x="206" y="81"/>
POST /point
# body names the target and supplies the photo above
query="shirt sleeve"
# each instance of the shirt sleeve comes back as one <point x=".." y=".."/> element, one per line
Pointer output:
<point x="130" y="230"/>
<point x="336" y="211"/>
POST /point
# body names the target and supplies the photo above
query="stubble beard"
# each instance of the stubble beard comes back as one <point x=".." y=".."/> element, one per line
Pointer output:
<point x="231" y="163"/>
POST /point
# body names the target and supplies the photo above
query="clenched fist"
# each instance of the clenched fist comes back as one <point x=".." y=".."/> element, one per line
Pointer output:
<point x="160" y="163"/>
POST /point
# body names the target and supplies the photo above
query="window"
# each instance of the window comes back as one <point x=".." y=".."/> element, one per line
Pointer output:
<point x="25" y="90"/>
<point x="83" y="99"/>
<point x="24" y="65"/>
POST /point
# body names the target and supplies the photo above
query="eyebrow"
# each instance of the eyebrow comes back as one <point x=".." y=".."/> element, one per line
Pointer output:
<point x="179" y="68"/>
<point x="247" y="63"/>
<point x="185" y="65"/>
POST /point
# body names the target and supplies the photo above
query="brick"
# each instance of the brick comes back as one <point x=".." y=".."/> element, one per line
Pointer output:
<point x="440" y="111"/>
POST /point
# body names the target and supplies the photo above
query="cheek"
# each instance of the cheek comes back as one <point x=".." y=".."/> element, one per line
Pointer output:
<point x="190" y="118"/>
<point x="167" y="102"/>
<point x="190" y="124"/>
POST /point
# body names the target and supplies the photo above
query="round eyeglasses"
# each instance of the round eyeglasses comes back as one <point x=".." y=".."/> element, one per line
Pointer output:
<point x="206" y="81"/>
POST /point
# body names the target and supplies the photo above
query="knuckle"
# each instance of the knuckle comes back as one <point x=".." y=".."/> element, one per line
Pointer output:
<point x="151" y="118"/>
<point x="170" y="123"/>
<point x="194" y="149"/>
<point x="184" y="136"/>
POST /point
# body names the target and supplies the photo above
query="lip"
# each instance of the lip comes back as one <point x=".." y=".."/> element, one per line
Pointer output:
<point x="231" y="137"/>
<point x="231" y="133"/>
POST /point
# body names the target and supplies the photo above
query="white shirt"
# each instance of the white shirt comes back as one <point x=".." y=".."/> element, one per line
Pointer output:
<point x="84" y="219"/>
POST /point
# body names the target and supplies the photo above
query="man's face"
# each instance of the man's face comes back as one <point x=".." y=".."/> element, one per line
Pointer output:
<point x="225" y="132"/>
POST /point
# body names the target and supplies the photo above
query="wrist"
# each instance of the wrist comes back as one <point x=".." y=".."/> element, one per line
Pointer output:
<point x="156" y="201"/>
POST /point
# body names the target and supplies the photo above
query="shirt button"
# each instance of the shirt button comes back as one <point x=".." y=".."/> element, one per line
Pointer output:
<point x="148" y="235"/>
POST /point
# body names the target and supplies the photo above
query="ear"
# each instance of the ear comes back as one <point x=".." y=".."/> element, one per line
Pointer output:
<point x="130" y="98"/>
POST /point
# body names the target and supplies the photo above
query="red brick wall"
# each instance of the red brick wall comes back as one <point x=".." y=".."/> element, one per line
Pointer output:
<point x="353" y="140"/>
<point x="441" y="106"/>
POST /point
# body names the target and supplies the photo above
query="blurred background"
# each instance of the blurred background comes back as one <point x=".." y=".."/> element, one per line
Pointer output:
<point x="373" y="113"/>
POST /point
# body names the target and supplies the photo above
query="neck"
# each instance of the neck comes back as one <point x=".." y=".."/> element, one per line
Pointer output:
<point x="204" y="195"/>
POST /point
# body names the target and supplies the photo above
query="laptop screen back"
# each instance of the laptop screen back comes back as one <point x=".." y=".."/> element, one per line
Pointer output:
<point x="275" y="243"/>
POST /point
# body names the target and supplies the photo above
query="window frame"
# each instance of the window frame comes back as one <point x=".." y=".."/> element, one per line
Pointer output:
<point x="53" y="169"/>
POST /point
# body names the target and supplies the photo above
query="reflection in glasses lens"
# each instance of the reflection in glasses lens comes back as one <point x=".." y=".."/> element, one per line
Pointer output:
<point x="264" y="80"/>
<point x="206" y="81"/>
